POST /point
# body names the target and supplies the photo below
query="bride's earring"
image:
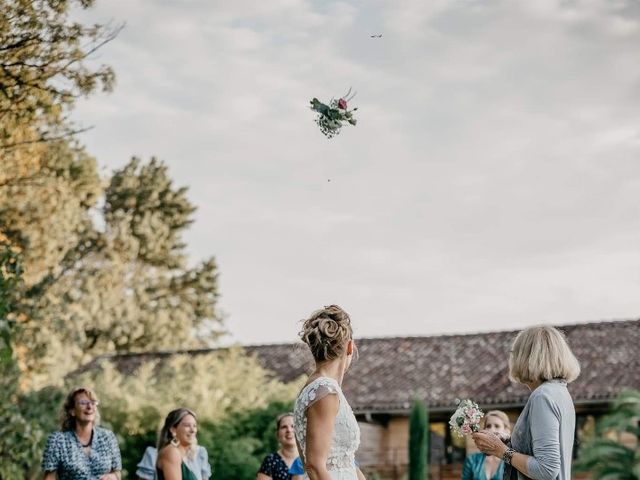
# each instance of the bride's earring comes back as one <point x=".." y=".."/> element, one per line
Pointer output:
<point x="175" y="442"/>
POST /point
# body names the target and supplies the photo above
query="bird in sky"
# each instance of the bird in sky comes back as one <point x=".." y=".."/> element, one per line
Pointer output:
<point x="377" y="36"/>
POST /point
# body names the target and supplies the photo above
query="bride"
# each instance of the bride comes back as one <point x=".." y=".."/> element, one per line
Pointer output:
<point x="325" y="427"/>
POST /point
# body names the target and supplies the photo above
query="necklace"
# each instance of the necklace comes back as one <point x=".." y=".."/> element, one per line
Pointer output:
<point x="90" y="440"/>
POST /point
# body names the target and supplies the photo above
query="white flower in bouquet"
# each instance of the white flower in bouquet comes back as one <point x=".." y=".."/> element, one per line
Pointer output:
<point x="466" y="419"/>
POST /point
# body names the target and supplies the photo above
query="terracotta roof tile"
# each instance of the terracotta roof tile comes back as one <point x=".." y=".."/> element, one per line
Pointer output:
<point x="390" y="372"/>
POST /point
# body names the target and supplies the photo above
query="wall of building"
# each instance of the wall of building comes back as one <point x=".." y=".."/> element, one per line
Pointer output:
<point x="390" y="460"/>
<point x="396" y="441"/>
<point x="371" y="444"/>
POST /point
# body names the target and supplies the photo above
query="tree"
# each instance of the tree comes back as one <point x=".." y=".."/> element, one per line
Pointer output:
<point x="47" y="186"/>
<point x="94" y="281"/>
<point x="44" y="186"/>
<point x="21" y="417"/>
<point x="213" y="384"/>
<point x="235" y="399"/>
<point x="87" y="265"/>
<point x="43" y="68"/>
<point x="45" y="205"/>
<point x="610" y="456"/>
<point x="238" y="443"/>
<point x="141" y="201"/>
<point x="124" y="287"/>
<point x="418" y="441"/>
<point x="10" y="276"/>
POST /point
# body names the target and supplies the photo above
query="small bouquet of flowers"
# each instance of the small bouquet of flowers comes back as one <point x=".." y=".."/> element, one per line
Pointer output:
<point x="466" y="419"/>
<point x="333" y="116"/>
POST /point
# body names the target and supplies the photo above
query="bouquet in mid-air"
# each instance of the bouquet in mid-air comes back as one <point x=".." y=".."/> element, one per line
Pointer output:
<point x="331" y="117"/>
<point x="466" y="419"/>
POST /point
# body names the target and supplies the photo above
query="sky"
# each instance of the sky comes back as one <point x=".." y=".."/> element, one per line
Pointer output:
<point x="492" y="181"/>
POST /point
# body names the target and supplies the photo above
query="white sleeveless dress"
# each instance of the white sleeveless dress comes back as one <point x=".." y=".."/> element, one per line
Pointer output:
<point x="346" y="432"/>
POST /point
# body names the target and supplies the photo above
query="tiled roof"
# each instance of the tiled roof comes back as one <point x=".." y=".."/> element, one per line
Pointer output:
<point x="390" y="372"/>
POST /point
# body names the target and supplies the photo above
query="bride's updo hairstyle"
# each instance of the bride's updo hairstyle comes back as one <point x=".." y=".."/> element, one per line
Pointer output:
<point x="327" y="332"/>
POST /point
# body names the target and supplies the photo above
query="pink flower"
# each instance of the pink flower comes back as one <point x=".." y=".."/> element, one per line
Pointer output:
<point x="342" y="103"/>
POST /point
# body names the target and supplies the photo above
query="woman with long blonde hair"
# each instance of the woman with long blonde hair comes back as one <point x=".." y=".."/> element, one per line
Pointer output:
<point x="179" y="456"/>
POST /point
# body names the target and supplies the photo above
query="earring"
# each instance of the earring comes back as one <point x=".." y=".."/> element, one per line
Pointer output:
<point x="175" y="442"/>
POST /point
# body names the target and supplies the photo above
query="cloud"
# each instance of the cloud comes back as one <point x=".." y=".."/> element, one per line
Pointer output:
<point x="491" y="181"/>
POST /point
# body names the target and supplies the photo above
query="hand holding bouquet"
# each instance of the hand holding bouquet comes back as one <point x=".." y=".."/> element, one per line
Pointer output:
<point x="466" y="419"/>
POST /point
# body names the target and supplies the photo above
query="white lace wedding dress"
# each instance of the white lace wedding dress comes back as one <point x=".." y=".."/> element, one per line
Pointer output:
<point x="346" y="433"/>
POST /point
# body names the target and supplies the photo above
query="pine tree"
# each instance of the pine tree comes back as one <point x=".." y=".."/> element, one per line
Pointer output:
<point x="418" y="441"/>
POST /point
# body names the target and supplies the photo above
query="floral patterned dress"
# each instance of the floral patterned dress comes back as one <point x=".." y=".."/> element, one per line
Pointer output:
<point x="65" y="456"/>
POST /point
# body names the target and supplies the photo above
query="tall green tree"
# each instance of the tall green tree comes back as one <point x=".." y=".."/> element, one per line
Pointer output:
<point x="615" y="453"/>
<point x="46" y="213"/>
<point x="44" y="182"/>
<point x="43" y="68"/>
<point x="12" y="423"/>
<point x="23" y="418"/>
<point x="46" y="206"/>
<point x="125" y="284"/>
<point x="10" y="276"/>
<point x="418" y="441"/>
<point x="95" y="280"/>
<point x="88" y="265"/>
<point x="236" y="401"/>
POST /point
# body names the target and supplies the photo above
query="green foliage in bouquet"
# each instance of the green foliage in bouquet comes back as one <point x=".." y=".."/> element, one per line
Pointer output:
<point x="333" y="116"/>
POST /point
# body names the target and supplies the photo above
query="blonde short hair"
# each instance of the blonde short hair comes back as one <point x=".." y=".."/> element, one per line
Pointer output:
<point x="541" y="353"/>
<point x="501" y="415"/>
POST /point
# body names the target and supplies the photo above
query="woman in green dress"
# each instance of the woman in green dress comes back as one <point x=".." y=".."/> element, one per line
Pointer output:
<point x="479" y="466"/>
<point x="176" y="444"/>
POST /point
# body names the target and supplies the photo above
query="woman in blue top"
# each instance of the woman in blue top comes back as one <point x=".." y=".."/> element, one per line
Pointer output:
<point x="479" y="466"/>
<point x="542" y="439"/>
<point x="81" y="450"/>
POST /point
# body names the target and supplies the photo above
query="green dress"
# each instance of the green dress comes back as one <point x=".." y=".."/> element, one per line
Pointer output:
<point x="186" y="473"/>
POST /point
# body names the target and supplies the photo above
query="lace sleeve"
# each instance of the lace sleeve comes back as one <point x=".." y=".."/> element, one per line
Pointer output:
<point x="319" y="391"/>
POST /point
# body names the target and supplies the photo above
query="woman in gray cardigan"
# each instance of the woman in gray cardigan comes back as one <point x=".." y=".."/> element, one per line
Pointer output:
<point x="542" y="439"/>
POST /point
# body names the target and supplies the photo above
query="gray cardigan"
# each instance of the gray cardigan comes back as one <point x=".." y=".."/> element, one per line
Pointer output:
<point x="545" y="431"/>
